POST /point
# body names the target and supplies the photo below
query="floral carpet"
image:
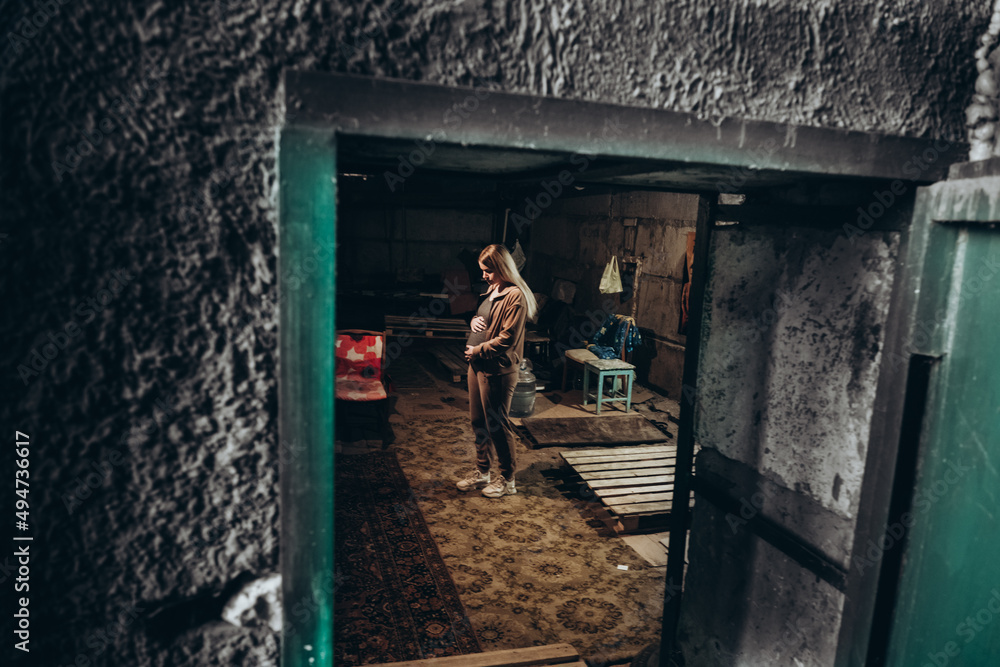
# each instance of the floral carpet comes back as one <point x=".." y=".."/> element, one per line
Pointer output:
<point x="533" y="568"/>
<point x="395" y="599"/>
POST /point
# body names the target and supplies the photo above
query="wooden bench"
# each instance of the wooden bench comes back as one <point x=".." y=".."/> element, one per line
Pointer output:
<point x="427" y="327"/>
<point x="579" y="357"/>
<point x="552" y="654"/>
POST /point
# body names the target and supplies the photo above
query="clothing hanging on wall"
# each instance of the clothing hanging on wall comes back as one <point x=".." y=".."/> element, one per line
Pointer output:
<point x="611" y="281"/>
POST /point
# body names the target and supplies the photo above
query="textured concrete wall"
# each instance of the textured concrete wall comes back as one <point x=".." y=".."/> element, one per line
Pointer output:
<point x="790" y="359"/>
<point x="747" y="604"/>
<point x="174" y="378"/>
<point x="791" y="352"/>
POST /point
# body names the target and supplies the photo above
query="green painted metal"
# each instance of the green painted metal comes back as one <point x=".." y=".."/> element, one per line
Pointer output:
<point x="307" y="252"/>
<point x="972" y="201"/>
<point x="680" y="509"/>
<point x="948" y="607"/>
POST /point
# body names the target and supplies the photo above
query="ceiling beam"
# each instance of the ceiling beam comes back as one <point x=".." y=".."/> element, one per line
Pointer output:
<point x="395" y="109"/>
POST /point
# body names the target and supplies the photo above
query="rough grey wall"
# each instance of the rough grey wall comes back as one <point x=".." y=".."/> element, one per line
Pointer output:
<point x="754" y="606"/>
<point x="169" y="389"/>
<point x="791" y="354"/>
<point x="791" y="351"/>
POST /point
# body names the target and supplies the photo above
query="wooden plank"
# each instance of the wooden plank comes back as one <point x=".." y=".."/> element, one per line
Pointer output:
<point x="643" y="508"/>
<point x="552" y="654"/>
<point x="444" y="330"/>
<point x="623" y="465"/>
<point x="628" y="491"/>
<point x="610" y="456"/>
<point x="415" y="322"/>
<point x="636" y="449"/>
<point x="643" y="449"/>
<point x="616" y="501"/>
<point x="618" y="457"/>
<point x="445" y="359"/>
<point x="458" y="371"/>
<point x="648" y="547"/>
<point x="449" y="329"/>
<point x="626" y="465"/>
<point x="625" y="474"/>
<point x="626" y="524"/>
<point x="623" y="525"/>
<point x="635" y="482"/>
<point x="420" y="328"/>
<point x="452" y="353"/>
<point x="414" y="333"/>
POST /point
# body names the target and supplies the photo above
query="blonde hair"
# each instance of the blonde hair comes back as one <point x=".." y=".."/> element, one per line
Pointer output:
<point x="497" y="259"/>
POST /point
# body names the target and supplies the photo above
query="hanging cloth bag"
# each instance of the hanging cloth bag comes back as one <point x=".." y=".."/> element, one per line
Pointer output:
<point x="611" y="281"/>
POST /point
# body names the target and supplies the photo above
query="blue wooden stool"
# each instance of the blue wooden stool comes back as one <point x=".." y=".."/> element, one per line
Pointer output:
<point x="603" y="368"/>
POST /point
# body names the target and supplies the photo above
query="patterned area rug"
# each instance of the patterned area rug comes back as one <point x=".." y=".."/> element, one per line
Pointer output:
<point x="395" y="599"/>
<point x="533" y="568"/>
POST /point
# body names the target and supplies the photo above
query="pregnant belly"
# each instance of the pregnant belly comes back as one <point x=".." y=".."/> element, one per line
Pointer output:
<point x="476" y="337"/>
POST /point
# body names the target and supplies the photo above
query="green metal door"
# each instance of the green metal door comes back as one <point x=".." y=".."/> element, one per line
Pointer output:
<point x="947" y="610"/>
<point x="306" y="265"/>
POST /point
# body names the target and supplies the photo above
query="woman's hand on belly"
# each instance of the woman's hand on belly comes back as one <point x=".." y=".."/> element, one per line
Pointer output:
<point x="478" y="323"/>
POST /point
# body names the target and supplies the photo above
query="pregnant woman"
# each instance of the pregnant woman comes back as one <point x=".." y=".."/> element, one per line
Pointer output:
<point x="494" y="351"/>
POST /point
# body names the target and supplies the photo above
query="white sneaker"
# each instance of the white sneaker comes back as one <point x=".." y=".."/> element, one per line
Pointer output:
<point x="499" y="487"/>
<point x="473" y="479"/>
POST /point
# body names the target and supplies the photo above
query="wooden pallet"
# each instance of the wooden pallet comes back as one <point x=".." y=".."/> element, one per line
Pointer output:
<point x="426" y="327"/>
<point x="635" y="484"/>
<point x="537" y="656"/>
<point x="453" y="360"/>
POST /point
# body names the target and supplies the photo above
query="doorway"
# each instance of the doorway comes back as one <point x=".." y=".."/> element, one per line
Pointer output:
<point x="340" y="117"/>
<point x="407" y="266"/>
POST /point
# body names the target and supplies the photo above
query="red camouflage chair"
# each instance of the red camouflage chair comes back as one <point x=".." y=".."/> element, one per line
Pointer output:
<point x="360" y="378"/>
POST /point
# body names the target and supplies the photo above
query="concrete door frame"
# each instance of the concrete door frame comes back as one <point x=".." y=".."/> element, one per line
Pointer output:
<point x="326" y="112"/>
